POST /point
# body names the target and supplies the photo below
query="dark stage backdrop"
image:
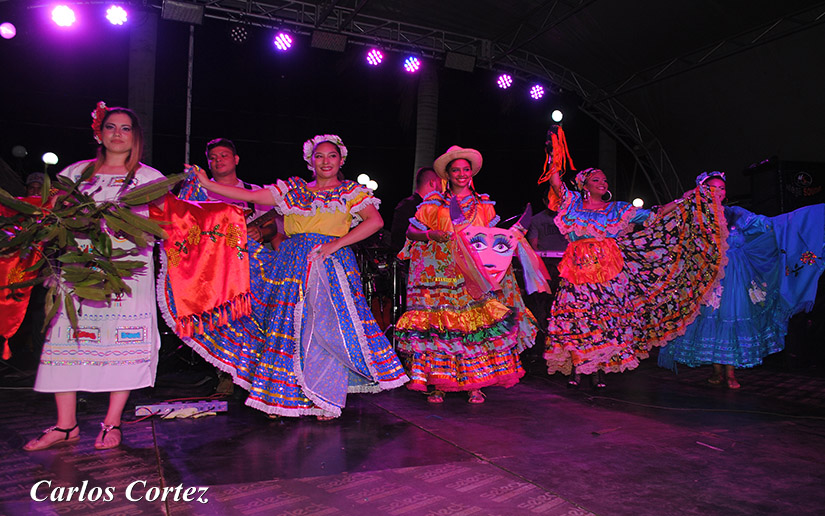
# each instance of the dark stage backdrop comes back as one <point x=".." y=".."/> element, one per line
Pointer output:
<point x="269" y="103"/>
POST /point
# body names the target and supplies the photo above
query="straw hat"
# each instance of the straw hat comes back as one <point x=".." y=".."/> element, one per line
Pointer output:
<point x="453" y="153"/>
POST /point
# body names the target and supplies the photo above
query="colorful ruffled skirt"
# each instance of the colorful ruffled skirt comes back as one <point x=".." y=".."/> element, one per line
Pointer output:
<point x="666" y="270"/>
<point x="310" y="338"/>
<point x="454" y="342"/>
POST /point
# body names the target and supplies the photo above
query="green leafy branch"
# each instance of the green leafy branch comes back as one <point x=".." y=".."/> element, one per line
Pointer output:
<point x="73" y="272"/>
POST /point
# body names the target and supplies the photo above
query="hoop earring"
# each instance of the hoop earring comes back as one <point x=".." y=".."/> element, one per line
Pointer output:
<point x="609" y="196"/>
<point x="586" y="195"/>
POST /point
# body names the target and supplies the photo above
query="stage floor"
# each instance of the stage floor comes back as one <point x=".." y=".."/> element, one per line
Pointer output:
<point x="651" y="443"/>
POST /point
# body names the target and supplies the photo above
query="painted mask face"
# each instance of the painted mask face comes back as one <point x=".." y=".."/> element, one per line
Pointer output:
<point x="495" y="247"/>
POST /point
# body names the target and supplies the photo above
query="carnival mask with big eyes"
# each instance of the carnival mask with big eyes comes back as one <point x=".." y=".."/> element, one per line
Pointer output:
<point x="495" y="247"/>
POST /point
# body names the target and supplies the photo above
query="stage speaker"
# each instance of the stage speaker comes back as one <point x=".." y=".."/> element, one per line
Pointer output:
<point x="782" y="186"/>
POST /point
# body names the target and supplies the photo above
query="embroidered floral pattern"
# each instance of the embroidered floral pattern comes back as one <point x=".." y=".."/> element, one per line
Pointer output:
<point x="757" y="292"/>
<point x="15" y="276"/>
<point x="194" y="235"/>
<point x="233" y="236"/>
<point x="808" y="258"/>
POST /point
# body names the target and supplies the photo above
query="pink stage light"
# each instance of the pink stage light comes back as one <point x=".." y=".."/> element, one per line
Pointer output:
<point x="537" y="92"/>
<point x="283" y="41"/>
<point x="63" y="16"/>
<point x="412" y="64"/>
<point x="504" y="81"/>
<point x="116" y="15"/>
<point x="7" y="30"/>
<point x="374" y="57"/>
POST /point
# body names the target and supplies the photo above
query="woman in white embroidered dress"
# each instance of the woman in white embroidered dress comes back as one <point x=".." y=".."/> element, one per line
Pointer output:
<point x="115" y="347"/>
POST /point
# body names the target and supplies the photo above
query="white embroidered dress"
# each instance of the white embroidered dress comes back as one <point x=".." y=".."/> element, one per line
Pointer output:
<point x="115" y="347"/>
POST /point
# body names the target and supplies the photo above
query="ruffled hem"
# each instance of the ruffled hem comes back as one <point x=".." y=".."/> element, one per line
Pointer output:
<point x="469" y="333"/>
<point x="451" y="373"/>
<point x="505" y="381"/>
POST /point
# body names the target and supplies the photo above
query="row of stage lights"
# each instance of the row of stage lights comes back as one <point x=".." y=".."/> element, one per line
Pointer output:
<point x="64" y="16"/>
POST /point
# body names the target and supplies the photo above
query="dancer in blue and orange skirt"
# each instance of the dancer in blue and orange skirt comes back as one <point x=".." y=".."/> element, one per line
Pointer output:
<point x="311" y="337"/>
<point x="623" y="291"/>
<point x="457" y="340"/>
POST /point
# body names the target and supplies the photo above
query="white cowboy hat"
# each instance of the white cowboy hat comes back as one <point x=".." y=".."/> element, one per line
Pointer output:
<point x="453" y="153"/>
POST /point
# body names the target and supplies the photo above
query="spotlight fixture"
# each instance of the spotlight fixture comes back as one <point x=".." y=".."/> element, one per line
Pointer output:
<point x="556" y="115"/>
<point x="238" y="34"/>
<point x="116" y="15"/>
<point x="504" y="81"/>
<point x="49" y="158"/>
<point x="638" y="202"/>
<point x="7" y="30"/>
<point x="63" y="16"/>
<point x="363" y="179"/>
<point x="283" y="41"/>
<point x="412" y="64"/>
<point x="537" y="92"/>
<point x="374" y="57"/>
<point x="372" y="184"/>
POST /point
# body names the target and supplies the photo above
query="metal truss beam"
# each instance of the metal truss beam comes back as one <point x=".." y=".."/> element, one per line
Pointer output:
<point x="344" y="17"/>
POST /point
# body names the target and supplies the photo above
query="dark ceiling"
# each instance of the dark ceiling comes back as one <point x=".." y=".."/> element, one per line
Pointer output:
<point x="721" y="84"/>
<point x="713" y="84"/>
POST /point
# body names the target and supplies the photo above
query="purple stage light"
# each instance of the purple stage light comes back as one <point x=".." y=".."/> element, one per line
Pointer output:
<point x="374" y="57"/>
<point x="504" y="81"/>
<point x="7" y="30"/>
<point x="537" y="92"/>
<point x="63" y="16"/>
<point x="283" y="41"/>
<point x="412" y="64"/>
<point x="116" y="15"/>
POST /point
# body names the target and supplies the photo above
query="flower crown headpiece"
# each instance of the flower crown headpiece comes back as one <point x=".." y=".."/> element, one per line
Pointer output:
<point x="582" y="176"/>
<point x="704" y="176"/>
<point x="97" y="120"/>
<point x="309" y="147"/>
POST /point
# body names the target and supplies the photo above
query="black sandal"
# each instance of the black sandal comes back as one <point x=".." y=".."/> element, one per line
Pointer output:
<point x="105" y="429"/>
<point x="65" y="440"/>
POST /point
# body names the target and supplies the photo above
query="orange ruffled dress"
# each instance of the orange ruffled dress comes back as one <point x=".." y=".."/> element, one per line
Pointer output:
<point x="451" y="340"/>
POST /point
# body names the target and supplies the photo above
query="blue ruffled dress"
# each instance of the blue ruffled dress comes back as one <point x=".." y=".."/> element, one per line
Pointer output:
<point x="773" y="265"/>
